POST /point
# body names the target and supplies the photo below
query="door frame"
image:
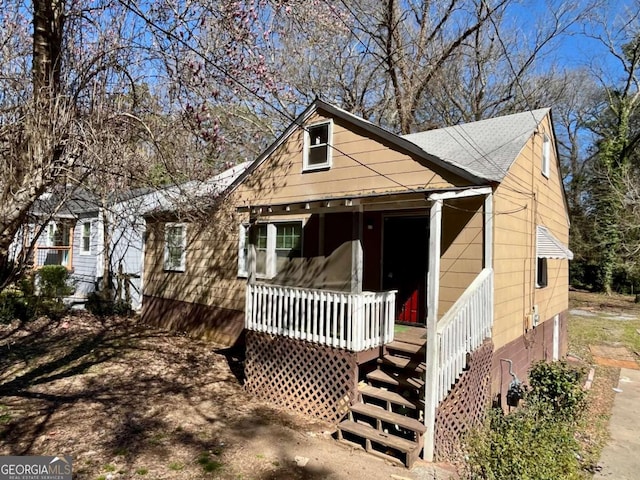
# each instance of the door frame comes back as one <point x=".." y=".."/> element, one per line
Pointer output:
<point x="409" y="213"/>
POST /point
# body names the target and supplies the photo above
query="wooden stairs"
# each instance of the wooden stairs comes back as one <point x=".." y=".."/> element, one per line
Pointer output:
<point x="387" y="418"/>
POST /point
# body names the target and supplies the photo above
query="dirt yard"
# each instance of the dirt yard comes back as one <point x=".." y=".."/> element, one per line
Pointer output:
<point x="132" y="402"/>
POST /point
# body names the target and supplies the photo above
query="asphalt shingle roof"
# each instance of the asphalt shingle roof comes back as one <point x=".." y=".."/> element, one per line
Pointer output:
<point x="485" y="148"/>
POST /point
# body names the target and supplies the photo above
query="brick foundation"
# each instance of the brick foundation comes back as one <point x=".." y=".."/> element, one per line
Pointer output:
<point x="536" y="344"/>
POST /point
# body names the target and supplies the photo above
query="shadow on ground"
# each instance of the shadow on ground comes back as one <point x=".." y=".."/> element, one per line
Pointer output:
<point x="119" y="397"/>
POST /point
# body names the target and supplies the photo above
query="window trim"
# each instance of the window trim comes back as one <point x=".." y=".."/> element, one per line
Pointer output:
<point x="306" y="167"/>
<point x="183" y="257"/>
<point x="546" y="155"/>
<point x="82" y="237"/>
<point x="270" y="249"/>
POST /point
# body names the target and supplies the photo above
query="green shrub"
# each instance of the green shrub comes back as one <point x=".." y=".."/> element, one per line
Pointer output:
<point x="557" y="386"/>
<point x="14" y="305"/>
<point x="537" y="441"/>
<point x="54" y="282"/>
<point x="524" y="446"/>
<point x="102" y="304"/>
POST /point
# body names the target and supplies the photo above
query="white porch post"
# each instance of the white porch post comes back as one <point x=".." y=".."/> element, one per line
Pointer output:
<point x="433" y="291"/>
<point x="488" y="231"/>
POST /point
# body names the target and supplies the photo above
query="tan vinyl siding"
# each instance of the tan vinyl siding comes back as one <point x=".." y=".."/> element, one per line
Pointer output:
<point x="361" y="165"/>
<point x="524" y="199"/>
<point x="462" y="249"/>
<point x="210" y="276"/>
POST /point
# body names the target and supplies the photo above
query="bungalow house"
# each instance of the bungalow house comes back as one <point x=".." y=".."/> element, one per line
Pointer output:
<point x="387" y="283"/>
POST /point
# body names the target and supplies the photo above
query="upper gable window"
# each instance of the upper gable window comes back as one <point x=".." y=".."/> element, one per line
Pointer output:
<point x="546" y="155"/>
<point x="317" y="146"/>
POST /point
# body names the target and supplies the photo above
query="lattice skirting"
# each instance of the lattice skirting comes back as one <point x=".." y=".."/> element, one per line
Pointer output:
<point x="312" y="379"/>
<point x="466" y="404"/>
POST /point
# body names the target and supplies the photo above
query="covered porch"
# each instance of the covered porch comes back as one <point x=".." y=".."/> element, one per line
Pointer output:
<point x="334" y="278"/>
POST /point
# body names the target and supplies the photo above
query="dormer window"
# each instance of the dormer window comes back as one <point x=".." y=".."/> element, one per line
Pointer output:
<point x="317" y="146"/>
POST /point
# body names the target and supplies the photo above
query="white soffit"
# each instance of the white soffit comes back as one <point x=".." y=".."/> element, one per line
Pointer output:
<point x="548" y="246"/>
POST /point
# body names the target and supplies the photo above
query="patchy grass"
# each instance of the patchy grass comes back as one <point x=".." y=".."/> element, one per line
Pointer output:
<point x="5" y="416"/>
<point x="607" y="320"/>
<point x="208" y="464"/>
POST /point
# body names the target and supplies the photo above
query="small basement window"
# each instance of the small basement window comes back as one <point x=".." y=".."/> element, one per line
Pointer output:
<point x="317" y="146"/>
<point x="541" y="273"/>
<point x="175" y="247"/>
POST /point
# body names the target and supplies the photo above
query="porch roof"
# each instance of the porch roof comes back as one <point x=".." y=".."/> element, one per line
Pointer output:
<point x="374" y="201"/>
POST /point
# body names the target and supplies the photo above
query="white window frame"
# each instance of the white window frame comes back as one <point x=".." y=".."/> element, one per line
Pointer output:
<point x="51" y="234"/>
<point x="545" y="261"/>
<point x="546" y="155"/>
<point x="270" y="261"/>
<point x="306" y="167"/>
<point x="169" y="267"/>
<point x="82" y="237"/>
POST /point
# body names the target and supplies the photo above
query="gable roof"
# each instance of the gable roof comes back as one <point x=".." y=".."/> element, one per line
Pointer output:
<point x="486" y="148"/>
<point x="398" y="141"/>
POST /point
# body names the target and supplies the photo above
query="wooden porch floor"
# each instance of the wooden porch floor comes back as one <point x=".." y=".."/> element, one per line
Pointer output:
<point x="410" y="334"/>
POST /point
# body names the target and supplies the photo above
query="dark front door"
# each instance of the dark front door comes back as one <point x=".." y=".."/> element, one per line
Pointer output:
<point x="404" y="265"/>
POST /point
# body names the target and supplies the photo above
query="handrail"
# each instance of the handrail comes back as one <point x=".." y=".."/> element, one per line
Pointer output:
<point x="463" y="329"/>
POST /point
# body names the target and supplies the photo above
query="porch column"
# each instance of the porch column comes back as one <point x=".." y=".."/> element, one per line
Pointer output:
<point x="433" y="294"/>
<point x="488" y="231"/>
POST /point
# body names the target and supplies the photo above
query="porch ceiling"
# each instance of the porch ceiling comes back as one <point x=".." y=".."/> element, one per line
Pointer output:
<point x="375" y="201"/>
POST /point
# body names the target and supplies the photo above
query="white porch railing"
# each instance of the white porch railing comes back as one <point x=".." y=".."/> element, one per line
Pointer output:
<point x="351" y="321"/>
<point x="463" y="329"/>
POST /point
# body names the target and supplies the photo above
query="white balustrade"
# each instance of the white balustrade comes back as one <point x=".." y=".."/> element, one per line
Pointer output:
<point x="351" y="321"/>
<point x="463" y="329"/>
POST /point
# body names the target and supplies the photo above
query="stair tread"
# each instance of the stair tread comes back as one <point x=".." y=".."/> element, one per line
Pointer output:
<point x="389" y="417"/>
<point x="405" y="363"/>
<point x="405" y="347"/>
<point x="386" y="395"/>
<point x="383" y="377"/>
<point x="389" y="440"/>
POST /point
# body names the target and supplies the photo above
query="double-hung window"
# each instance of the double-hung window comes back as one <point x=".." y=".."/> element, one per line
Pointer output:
<point x="85" y="240"/>
<point x="317" y="146"/>
<point x="274" y="244"/>
<point x="175" y="247"/>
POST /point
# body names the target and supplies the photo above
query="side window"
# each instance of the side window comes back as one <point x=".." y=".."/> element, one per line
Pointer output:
<point x="541" y="273"/>
<point x="85" y="242"/>
<point x="546" y="155"/>
<point x="175" y="246"/>
<point x="317" y="146"/>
